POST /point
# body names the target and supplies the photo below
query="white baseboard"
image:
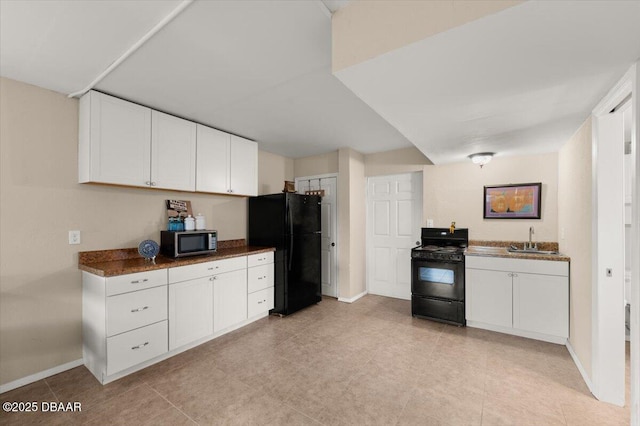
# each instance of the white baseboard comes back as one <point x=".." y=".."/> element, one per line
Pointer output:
<point x="39" y="376"/>
<point x="558" y="340"/>
<point x="352" y="299"/>
<point x="581" y="369"/>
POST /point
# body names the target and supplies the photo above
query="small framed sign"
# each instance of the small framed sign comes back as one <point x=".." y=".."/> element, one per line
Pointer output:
<point x="513" y="201"/>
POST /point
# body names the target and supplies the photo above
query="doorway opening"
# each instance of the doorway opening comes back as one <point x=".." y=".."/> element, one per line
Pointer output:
<point x="616" y="244"/>
<point x="329" y="220"/>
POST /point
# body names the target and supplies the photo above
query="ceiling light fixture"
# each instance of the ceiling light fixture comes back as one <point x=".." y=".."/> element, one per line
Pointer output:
<point x="481" y="158"/>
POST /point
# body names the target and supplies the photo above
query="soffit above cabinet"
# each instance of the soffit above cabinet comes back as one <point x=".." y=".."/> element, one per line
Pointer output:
<point x="260" y="69"/>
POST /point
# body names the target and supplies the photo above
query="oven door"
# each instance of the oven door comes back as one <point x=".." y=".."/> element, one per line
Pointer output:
<point x="440" y="279"/>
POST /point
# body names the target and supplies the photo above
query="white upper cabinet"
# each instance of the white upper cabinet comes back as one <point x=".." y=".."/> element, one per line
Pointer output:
<point x="226" y="163"/>
<point x="115" y="141"/>
<point x="213" y="160"/>
<point x="123" y="143"/>
<point x="243" y="164"/>
<point x="173" y="152"/>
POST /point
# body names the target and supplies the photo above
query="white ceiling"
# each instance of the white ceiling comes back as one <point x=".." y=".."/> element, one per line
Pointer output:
<point x="520" y="81"/>
<point x="259" y="69"/>
<point x="516" y="82"/>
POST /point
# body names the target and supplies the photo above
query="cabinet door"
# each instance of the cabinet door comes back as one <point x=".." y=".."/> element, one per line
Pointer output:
<point x="119" y="141"/>
<point x="212" y="171"/>
<point x="488" y="297"/>
<point x="243" y="168"/>
<point x="229" y="299"/>
<point x="541" y="304"/>
<point x="173" y="152"/>
<point x="190" y="311"/>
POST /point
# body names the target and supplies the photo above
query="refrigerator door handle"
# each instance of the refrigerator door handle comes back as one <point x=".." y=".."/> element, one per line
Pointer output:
<point x="290" y="236"/>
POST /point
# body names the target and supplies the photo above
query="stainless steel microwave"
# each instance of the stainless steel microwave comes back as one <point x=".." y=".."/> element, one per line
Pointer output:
<point x="188" y="243"/>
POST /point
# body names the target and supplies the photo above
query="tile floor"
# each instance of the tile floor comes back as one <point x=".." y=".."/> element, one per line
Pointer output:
<point x="334" y="363"/>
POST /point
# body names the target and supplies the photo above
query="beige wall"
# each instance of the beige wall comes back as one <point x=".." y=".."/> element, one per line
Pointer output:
<point x="316" y="165"/>
<point x="454" y="192"/>
<point x="575" y="215"/>
<point x="405" y="160"/>
<point x="40" y="287"/>
<point x="366" y="29"/>
<point x="351" y="223"/>
<point x="273" y="170"/>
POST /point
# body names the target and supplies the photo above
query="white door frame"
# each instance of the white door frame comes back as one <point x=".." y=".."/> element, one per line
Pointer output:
<point x="337" y="247"/>
<point x="607" y="310"/>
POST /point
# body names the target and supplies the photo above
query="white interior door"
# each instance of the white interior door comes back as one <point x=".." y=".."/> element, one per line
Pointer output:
<point x="394" y="215"/>
<point x="329" y="229"/>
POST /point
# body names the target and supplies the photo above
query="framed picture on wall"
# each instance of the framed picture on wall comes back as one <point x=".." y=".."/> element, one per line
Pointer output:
<point x="513" y="201"/>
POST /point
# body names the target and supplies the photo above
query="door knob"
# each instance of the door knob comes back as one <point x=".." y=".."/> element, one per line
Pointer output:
<point x="333" y="244"/>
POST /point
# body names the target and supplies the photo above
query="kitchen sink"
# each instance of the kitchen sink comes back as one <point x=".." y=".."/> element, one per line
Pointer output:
<point x="486" y="249"/>
<point x="513" y="249"/>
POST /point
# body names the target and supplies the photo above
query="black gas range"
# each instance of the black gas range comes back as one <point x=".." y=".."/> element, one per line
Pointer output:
<point x="437" y="275"/>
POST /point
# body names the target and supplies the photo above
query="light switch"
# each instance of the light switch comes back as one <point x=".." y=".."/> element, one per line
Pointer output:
<point x="74" y="237"/>
<point x="429" y="223"/>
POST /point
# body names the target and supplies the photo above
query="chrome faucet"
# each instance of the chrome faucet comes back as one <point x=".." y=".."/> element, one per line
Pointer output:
<point x="530" y="245"/>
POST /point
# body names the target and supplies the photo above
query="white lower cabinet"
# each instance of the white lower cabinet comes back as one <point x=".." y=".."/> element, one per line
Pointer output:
<point x="489" y="297"/>
<point x="229" y="299"/>
<point x="190" y="311"/>
<point x="136" y="309"/>
<point x="134" y="320"/>
<point x="541" y="304"/>
<point x="122" y="330"/>
<point x="205" y="298"/>
<point x="260" y="284"/>
<point x="525" y="297"/>
<point x="260" y="301"/>
<point x="128" y="349"/>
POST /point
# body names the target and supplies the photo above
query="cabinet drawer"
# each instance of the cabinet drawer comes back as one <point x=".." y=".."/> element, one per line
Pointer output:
<point x="133" y="282"/>
<point x="128" y="349"/>
<point x="260" y="277"/>
<point x="260" y="301"/>
<point x="206" y="269"/>
<point x="259" y="259"/>
<point x="137" y="309"/>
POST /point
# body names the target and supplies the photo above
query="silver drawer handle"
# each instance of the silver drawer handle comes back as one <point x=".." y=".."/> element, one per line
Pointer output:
<point x="261" y="301"/>
<point x="213" y="278"/>
<point x="139" y="346"/>
<point x="140" y="309"/>
<point x="140" y="281"/>
<point x="260" y="259"/>
<point x="211" y="269"/>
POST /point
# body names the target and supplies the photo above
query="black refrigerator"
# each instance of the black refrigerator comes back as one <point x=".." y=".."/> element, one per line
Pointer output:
<point x="290" y="223"/>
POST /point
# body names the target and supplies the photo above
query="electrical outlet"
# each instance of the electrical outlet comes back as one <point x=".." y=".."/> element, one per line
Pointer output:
<point x="429" y="223"/>
<point x="562" y="233"/>
<point x="74" y="237"/>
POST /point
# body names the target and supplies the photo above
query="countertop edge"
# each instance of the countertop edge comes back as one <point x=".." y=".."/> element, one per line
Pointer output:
<point x="510" y="255"/>
<point x="114" y="268"/>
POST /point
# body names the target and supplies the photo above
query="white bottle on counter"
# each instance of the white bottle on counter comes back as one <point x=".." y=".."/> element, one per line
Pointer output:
<point x="189" y="223"/>
<point x="200" y="222"/>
